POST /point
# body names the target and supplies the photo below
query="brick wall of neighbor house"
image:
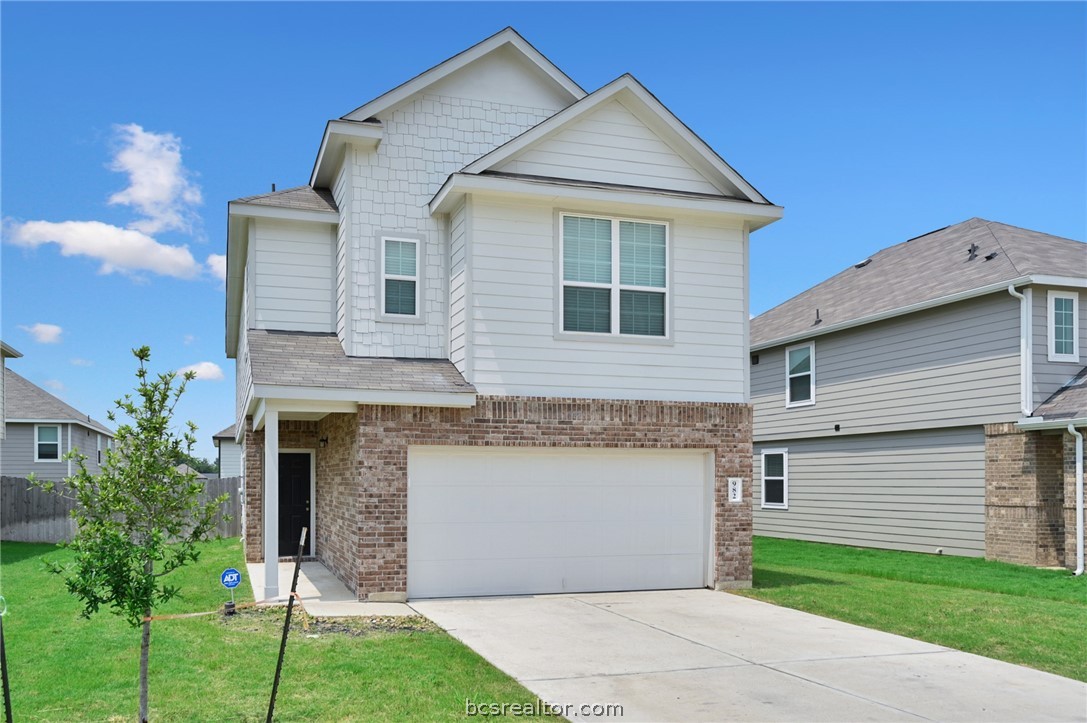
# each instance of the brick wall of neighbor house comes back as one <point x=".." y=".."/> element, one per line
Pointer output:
<point x="292" y="434"/>
<point x="1024" y="496"/>
<point x="385" y="433"/>
<point x="337" y="496"/>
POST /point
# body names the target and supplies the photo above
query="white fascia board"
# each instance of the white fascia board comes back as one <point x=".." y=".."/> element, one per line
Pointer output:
<point x="9" y="352"/>
<point x="627" y="87"/>
<point x="458" y="184"/>
<point x="280" y="213"/>
<point x="1040" y="423"/>
<point x="891" y="313"/>
<point x="82" y="423"/>
<point x="337" y="134"/>
<point x="363" y="396"/>
<point x="508" y="36"/>
<point x="1076" y="282"/>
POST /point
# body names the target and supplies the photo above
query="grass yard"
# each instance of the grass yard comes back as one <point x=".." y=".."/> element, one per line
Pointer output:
<point x="66" y="668"/>
<point x="1019" y="614"/>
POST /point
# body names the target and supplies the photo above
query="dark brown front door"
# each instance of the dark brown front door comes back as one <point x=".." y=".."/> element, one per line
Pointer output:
<point x="294" y="502"/>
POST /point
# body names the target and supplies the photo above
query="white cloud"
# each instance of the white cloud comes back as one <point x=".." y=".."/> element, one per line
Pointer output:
<point x="216" y="264"/>
<point x="55" y="384"/>
<point x="121" y="250"/>
<point x="44" y="333"/>
<point x="159" y="185"/>
<point x="77" y="362"/>
<point x="189" y="339"/>
<point x="205" y="371"/>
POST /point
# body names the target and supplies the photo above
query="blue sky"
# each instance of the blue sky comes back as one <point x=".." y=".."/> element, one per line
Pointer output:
<point x="869" y="122"/>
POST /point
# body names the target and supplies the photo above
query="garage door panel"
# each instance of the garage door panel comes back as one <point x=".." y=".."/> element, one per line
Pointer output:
<point x="516" y="521"/>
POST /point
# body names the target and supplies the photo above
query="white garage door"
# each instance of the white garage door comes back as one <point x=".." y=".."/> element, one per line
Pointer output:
<point x="500" y="521"/>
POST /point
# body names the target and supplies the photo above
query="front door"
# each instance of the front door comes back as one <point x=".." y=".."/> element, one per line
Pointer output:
<point x="294" y="502"/>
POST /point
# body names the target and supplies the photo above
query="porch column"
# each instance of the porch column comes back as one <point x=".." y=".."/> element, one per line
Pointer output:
<point x="271" y="504"/>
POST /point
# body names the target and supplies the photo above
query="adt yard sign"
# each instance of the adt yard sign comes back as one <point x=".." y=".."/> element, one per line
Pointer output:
<point x="230" y="578"/>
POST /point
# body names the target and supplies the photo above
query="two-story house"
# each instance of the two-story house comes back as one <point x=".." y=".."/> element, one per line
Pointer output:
<point x="41" y="429"/>
<point x="497" y="345"/>
<point x="922" y="399"/>
<point x="6" y="352"/>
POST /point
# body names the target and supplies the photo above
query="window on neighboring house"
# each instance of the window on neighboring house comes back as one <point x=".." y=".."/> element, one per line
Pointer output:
<point x="1063" y="326"/>
<point x="600" y="276"/>
<point x="775" y="479"/>
<point x="400" y="277"/>
<point x="800" y="375"/>
<point x="47" y="443"/>
<point x="99" y="449"/>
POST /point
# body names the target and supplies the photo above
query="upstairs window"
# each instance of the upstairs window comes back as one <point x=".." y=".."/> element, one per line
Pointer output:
<point x="400" y="277"/>
<point x="1063" y="313"/>
<point x="99" y="448"/>
<point x="47" y="443"/>
<point x="800" y="375"/>
<point x="775" y="479"/>
<point x="600" y="276"/>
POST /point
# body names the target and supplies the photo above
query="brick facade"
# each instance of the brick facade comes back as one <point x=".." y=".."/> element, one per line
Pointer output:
<point x="362" y="472"/>
<point x="1070" y="500"/>
<point x="1025" y="496"/>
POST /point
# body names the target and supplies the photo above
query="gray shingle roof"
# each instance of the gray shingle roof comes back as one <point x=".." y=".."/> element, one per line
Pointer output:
<point x="307" y="359"/>
<point x="227" y="433"/>
<point x="24" y="400"/>
<point x="302" y="198"/>
<point x="923" y="269"/>
<point x="1068" y="402"/>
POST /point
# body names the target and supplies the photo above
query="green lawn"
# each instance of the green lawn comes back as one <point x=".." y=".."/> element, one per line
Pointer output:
<point x="64" y="667"/>
<point x="1019" y="614"/>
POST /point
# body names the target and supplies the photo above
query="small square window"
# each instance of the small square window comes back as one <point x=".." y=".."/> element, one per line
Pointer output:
<point x="775" y="479"/>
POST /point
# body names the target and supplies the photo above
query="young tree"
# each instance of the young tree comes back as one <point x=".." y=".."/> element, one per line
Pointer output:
<point x="139" y="518"/>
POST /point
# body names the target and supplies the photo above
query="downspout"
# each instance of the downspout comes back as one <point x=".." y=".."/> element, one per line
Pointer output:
<point x="1079" y="497"/>
<point x="1025" y="359"/>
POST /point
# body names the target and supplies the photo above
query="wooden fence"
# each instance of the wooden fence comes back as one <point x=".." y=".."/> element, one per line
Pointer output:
<point x="28" y="514"/>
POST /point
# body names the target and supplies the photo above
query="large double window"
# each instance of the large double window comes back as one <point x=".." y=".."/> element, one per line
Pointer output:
<point x="614" y="276"/>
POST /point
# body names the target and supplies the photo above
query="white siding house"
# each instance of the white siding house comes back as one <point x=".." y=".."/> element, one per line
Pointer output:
<point x="492" y="267"/>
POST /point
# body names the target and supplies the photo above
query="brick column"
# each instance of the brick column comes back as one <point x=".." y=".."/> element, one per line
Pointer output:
<point x="253" y="531"/>
<point x="1024" y="496"/>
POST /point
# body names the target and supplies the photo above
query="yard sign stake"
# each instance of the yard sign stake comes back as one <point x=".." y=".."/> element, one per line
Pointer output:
<point x="286" y="625"/>
<point x="4" y="661"/>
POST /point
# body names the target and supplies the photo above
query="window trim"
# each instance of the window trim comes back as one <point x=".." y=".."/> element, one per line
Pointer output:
<point x="615" y="287"/>
<point x="417" y="243"/>
<point x="789" y="403"/>
<point x="59" y="443"/>
<point x="99" y="446"/>
<point x="1051" y="326"/>
<point x="784" y="452"/>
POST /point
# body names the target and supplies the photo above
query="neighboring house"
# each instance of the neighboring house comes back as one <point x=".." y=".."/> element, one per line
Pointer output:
<point x="498" y="344"/>
<point x="230" y="452"/>
<point x="186" y="469"/>
<point x="41" y="429"/>
<point x="6" y="352"/>
<point x="918" y="400"/>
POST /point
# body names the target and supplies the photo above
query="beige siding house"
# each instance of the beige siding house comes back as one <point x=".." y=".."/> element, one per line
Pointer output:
<point x="902" y="403"/>
<point x="503" y="326"/>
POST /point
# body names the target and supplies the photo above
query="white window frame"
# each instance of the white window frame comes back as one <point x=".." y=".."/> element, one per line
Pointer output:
<point x="615" y="286"/>
<point x="784" y="479"/>
<point x="1051" y="320"/>
<point x="789" y="403"/>
<point x="60" y="445"/>
<point x="400" y="277"/>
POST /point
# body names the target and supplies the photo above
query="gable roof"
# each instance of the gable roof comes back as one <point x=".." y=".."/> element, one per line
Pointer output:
<point x="503" y="38"/>
<point x="227" y="433"/>
<point x="27" y="402"/>
<point x="928" y="270"/>
<point x="638" y="99"/>
<point x="302" y="198"/>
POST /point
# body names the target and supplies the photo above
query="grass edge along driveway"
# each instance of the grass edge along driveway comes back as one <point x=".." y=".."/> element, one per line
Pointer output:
<point x="65" y="668"/>
<point x="1017" y="614"/>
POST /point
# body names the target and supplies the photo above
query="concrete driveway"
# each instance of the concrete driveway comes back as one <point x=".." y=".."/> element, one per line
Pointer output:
<point x="699" y="655"/>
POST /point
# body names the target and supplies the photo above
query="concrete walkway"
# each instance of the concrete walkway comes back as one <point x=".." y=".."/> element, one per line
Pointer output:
<point x="699" y="655"/>
<point x="322" y="592"/>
